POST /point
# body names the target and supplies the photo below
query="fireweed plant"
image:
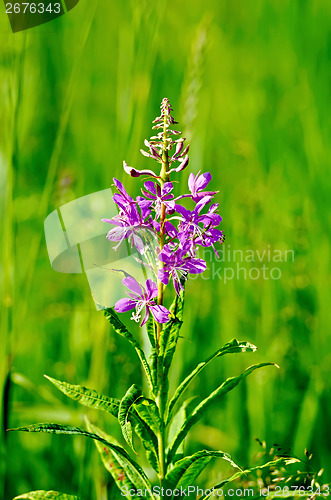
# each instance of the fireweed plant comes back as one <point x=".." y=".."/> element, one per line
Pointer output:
<point x="166" y="236"/>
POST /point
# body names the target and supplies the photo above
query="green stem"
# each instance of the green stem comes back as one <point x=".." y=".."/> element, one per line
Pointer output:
<point x="161" y="403"/>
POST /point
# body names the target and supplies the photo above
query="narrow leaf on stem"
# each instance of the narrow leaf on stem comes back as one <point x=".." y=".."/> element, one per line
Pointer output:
<point x="87" y="397"/>
<point x="199" y="411"/>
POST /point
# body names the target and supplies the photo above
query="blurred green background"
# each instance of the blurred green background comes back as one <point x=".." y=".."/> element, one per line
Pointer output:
<point x="249" y="83"/>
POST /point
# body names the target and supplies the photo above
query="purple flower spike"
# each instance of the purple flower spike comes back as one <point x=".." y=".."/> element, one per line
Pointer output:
<point x="197" y="183"/>
<point x="141" y="297"/>
<point x="177" y="265"/>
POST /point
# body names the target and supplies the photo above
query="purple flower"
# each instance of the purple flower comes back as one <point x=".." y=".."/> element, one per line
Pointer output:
<point x="190" y="221"/>
<point x="130" y="223"/>
<point x="127" y="229"/>
<point x="177" y="265"/>
<point x="210" y="237"/>
<point x="197" y="183"/>
<point x="141" y="297"/>
<point x="123" y="200"/>
<point x="154" y="192"/>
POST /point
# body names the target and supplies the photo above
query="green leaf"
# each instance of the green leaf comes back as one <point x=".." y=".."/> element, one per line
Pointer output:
<point x="186" y="471"/>
<point x="170" y="332"/>
<point x="149" y="413"/>
<point x="87" y="397"/>
<point x="118" y="450"/>
<point x="121" y="472"/>
<point x="149" y="441"/>
<point x="234" y="346"/>
<point x="273" y="463"/>
<point x="127" y="416"/>
<point x="122" y="330"/>
<point x="126" y="406"/>
<point x="198" y="412"/>
<point x="50" y="495"/>
<point x="176" y="424"/>
<point x="153" y="361"/>
<point x="151" y="330"/>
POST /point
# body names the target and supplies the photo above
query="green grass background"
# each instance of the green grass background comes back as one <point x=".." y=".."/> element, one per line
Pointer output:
<point x="249" y="82"/>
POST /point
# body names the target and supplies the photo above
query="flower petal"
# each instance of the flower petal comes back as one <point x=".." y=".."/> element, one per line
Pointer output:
<point x="117" y="233"/>
<point x="202" y="181"/>
<point x="124" y="305"/>
<point x="133" y="285"/>
<point x="150" y="186"/>
<point x="195" y="266"/>
<point x="167" y="187"/>
<point x="183" y="211"/>
<point x="152" y="290"/>
<point x="199" y="206"/>
<point x="166" y="255"/>
<point x="160" y="313"/>
<point x="191" y="181"/>
<point x="145" y="317"/>
<point x="163" y="276"/>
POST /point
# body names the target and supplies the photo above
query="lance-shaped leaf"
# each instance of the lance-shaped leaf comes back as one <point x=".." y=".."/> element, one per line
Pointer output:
<point x="232" y="347"/>
<point x="149" y="413"/>
<point x="176" y="423"/>
<point x="49" y="495"/>
<point x="122" y="330"/>
<point x="87" y="397"/>
<point x="186" y="471"/>
<point x="198" y="412"/>
<point x="170" y="333"/>
<point x="273" y="463"/>
<point x="153" y="362"/>
<point x="126" y="406"/>
<point x="151" y="330"/>
<point x="114" y="464"/>
<point x="148" y="439"/>
<point x="127" y="416"/>
<point x="120" y="452"/>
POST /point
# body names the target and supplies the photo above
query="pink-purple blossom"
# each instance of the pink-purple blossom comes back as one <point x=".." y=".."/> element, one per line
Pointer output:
<point x="197" y="183"/>
<point x="141" y="297"/>
<point x="132" y="220"/>
<point x="159" y="195"/>
<point x="177" y="264"/>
